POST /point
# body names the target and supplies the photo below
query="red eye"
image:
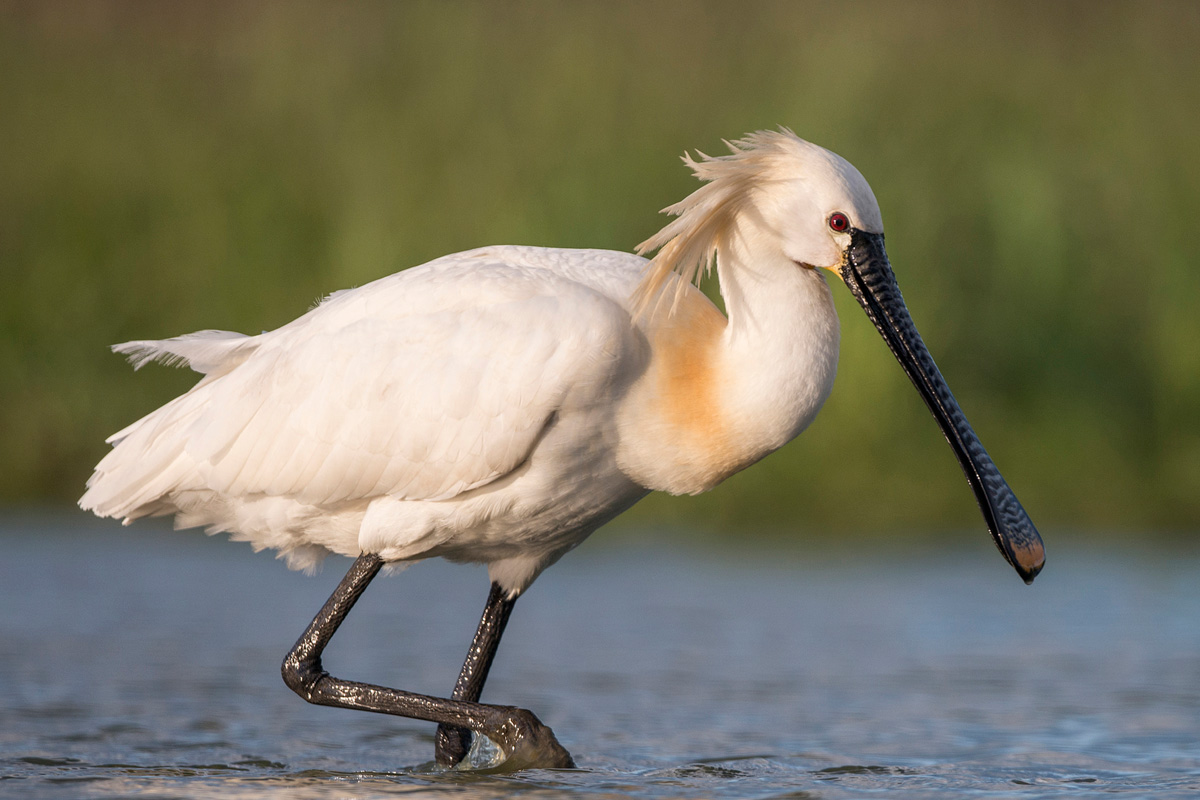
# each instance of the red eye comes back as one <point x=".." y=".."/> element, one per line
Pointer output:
<point x="839" y="222"/>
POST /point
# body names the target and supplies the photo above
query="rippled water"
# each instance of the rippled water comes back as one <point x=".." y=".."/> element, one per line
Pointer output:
<point x="146" y="663"/>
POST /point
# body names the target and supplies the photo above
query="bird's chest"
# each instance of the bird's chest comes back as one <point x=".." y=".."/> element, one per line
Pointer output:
<point x="706" y="407"/>
<point x="675" y="433"/>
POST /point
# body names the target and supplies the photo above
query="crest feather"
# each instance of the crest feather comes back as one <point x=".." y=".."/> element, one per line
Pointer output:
<point x="690" y="245"/>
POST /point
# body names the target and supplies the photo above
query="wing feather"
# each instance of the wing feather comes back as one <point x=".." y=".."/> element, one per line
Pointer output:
<point x="421" y="386"/>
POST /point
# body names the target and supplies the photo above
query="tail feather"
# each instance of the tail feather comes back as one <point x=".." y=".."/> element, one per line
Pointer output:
<point x="148" y="460"/>
<point x="163" y="463"/>
<point x="203" y="351"/>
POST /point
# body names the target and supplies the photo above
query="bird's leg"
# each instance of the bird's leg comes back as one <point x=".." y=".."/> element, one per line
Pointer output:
<point x="525" y="740"/>
<point x="452" y="742"/>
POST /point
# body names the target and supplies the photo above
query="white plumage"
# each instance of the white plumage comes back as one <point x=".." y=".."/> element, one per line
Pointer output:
<point x="499" y="405"/>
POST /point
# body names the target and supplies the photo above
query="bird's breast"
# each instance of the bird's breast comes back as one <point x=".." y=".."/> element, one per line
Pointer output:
<point x="676" y="433"/>
<point x="713" y="399"/>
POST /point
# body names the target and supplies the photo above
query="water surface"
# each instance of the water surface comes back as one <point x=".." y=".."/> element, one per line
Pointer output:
<point x="145" y="663"/>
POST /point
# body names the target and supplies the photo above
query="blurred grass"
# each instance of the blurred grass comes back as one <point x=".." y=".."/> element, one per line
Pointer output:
<point x="171" y="167"/>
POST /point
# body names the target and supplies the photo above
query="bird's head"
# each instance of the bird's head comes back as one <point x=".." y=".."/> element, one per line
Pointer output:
<point x="811" y="200"/>
<point x="814" y="208"/>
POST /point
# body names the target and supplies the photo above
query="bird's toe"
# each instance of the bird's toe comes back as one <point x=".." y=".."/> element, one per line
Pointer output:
<point x="526" y="742"/>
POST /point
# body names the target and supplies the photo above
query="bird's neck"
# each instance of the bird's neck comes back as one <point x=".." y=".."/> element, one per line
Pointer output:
<point x="720" y="393"/>
<point x="781" y="344"/>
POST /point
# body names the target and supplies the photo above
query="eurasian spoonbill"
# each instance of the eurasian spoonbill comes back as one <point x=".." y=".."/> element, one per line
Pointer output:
<point x="497" y="406"/>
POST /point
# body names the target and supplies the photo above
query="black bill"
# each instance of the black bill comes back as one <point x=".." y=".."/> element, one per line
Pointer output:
<point x="869" y="275"/>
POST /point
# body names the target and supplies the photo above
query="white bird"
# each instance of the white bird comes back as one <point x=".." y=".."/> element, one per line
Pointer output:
<point x="497" y="406"/>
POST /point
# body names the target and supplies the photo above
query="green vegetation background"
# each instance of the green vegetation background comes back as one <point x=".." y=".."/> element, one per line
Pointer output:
<point x="169" y="167"/>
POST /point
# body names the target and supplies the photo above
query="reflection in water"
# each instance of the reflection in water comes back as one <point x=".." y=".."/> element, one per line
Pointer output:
<point x="147" y="662"/>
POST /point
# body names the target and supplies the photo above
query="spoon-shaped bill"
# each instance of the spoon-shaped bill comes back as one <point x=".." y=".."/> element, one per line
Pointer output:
<point x="869" y="275"/>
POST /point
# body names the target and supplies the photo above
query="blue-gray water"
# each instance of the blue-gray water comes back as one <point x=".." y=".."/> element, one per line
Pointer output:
<point x="145" y="663"/>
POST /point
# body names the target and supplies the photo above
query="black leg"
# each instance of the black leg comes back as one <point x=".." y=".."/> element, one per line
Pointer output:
<point x="452" y="742"/>
<point x="525" y="740"/>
